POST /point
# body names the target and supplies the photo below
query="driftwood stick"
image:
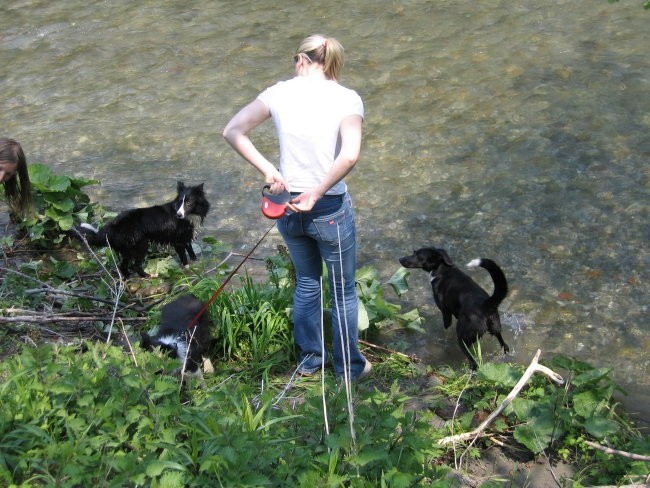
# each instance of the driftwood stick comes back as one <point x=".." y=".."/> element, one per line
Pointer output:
<point x="532" y="368"/>
<point x="609" y="450"/>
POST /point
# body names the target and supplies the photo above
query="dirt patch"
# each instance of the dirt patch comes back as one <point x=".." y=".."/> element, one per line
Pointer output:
<point x="495" y="464"/>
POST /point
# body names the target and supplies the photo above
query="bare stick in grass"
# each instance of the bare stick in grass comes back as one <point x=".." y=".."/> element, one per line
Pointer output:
<point x="609" y="450"/>
<point x="534" y="367"/>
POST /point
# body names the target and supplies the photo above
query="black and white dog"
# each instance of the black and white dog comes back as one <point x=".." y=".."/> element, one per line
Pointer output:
<point x="130" y="233"/>
<point x="177" y="339"/>
<point x="455" y="293"/>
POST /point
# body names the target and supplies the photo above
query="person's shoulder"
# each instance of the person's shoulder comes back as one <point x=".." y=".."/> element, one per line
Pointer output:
<point x="284" y="84"/>
<point x="279" y="87"/>
<point x="271" y="93"/>
<point x="348" y="92"/>
<point x="351" y="100"/>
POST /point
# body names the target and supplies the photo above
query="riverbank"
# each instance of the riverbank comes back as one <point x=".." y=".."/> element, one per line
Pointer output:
<point x="435" y="402"/>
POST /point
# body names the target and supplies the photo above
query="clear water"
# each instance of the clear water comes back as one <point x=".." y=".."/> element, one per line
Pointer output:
<point x="512" y="130"/>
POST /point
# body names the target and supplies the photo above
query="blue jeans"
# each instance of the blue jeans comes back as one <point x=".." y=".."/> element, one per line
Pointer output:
<point x="326" y="233"/>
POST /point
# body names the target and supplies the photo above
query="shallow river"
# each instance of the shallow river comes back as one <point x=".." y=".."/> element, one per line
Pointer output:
<point x="512" y="130"/>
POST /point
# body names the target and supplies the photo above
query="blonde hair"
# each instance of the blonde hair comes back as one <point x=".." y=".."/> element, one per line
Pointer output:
<point x="326" y="51"/>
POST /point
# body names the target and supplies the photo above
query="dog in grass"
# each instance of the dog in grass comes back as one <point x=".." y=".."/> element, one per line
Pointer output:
<point x="457" y="295"/>
<point x="131" y="232"/>
<point x="176" y="338"/>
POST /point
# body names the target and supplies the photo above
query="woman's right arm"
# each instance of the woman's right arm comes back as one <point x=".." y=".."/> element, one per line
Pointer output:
<point x="236" y="133"/>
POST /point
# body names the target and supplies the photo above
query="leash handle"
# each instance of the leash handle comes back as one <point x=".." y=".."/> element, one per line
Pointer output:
<point x="225" y="282"/>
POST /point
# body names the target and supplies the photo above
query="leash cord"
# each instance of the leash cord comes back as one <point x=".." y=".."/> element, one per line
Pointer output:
<point x="225" y="282"/>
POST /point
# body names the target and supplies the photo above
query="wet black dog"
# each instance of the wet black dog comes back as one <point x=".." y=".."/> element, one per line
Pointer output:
<point x="455" y="293"/>
<point x="130" y="233"/>
<point x="177" y="339"/>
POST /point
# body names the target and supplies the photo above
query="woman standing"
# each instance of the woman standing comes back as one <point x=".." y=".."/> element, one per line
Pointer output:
<point x="15" y="177"/>
<point x="318" y="123"/>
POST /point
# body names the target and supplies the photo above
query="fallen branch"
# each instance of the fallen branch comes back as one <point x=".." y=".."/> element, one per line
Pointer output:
<point x="412" y="357"/>
<point x="56" y="291"/>
<point x="609" y="450"/>
<point x="44" y="313"/>
<point x="46" y="288"/>
<point x="532" y="368"/>
<point x="58" y="318"/>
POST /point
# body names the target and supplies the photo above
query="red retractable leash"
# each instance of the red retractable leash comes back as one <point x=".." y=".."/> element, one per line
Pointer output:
<point x="223" y="285"/>
<point x="274" y="206"/>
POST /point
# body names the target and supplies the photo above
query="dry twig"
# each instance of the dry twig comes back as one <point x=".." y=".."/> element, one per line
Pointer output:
<point x="411" y="357"/>
<point x="609" y="450"/>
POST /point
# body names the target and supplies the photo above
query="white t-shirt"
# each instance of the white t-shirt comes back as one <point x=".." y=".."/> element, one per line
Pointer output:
<point x="307" y="112"/>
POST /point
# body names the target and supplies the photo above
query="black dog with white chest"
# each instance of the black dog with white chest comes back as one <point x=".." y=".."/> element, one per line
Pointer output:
<point x="175" y="337"/>
<point x="130" y="233"/>
<point x="455" y="293"/>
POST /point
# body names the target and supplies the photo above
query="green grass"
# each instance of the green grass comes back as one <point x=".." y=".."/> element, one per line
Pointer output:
<point x="82" y="415"/>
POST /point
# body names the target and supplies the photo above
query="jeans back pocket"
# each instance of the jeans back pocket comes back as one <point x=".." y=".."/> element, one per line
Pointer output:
<point x="337" y="226"/>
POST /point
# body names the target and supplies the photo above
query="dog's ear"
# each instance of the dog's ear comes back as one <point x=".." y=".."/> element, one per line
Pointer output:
<point x="199" y="188"/>
<point x="180" y="186"/>
<point x="445" y="257"/>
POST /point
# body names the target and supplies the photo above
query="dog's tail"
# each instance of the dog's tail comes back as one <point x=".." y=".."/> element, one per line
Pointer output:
<point x="499" y="279"/>
<point x="95" y="237"/>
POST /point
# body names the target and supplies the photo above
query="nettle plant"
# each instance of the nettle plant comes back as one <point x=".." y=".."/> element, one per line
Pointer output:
<point x="87" y="415"/>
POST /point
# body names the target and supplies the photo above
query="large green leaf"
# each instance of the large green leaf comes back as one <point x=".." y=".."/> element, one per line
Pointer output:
<point x="364" y="320"/>
<point x="366" y="273"/>
<point x="521" y="407"/>
<point x="540" y="430"/>
<point x="592" y="376"/>
<point x="504" y="374"/>
<point x="369" y="455"/>
<point x="601" y="427"/>
<point x="398" y="281"/>
<point x="58" y="183"/>
<point x="157" y="467"/>
<point x="412" y="320"/>
<point x="586" y="404"/>
<point x="81" y="182"/>
<point x="42" y="178"/>
<point x="160" y="267"/>
<point x="55" y="200"/>
<point x="38" y="174"/>
<point x="64" y="221"/>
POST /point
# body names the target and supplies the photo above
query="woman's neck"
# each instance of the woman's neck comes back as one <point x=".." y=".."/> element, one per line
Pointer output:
<point x="313" y="70"/>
